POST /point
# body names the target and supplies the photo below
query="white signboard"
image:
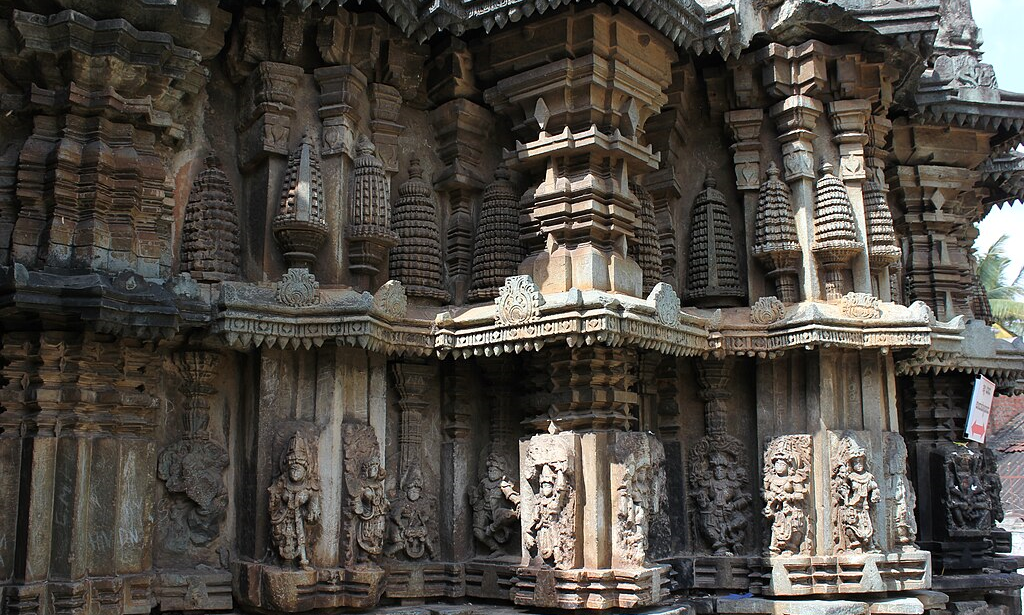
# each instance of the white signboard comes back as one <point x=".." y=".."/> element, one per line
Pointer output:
<point x="981" y="403"/>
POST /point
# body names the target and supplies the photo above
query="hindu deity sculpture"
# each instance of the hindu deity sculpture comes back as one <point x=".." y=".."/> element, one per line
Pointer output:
<point x="295" y="502"/>
<point x="722" y="505"/>
<point x="785" y="496"/>
<point x="854" y="495"/>
<point x="495" y="506"/>
<point x="409" y="529"/>
<point x="543" y="538"/>
<point x="371" y="508"/>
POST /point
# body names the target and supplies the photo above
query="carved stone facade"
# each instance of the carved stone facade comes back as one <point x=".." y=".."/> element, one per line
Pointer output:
<point x="649" y="306"/>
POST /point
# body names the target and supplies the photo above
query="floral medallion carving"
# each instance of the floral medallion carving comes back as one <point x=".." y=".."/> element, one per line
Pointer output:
<point x="518" y="302"/>
<point x="298" y="288"/>
<point x="666" y="303"/>
<point x="767" y="310"/>
<point x="390" y="300"/>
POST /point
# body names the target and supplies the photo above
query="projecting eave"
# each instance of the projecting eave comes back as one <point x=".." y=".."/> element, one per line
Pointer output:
<point x="944" y="99"/>
<point x="1003" y="175"/>
<point x="859" y="321"/>
<point x="971" y="349"/>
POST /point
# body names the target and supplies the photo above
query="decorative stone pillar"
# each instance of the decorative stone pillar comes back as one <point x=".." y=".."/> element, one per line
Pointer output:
<point x="713" y="272"/>
<point x="884" y="252"/>
<point x="849" y="119"/>
<point x="497" y="251"/>
<point x="835" y="231"/>
<point x="416" y="259"/>
<point x="461" y="127"/>
<point x="385" y="105"/>
<point x="209" y="236"/>
<point x="369" y="232"/>
<point x="775" y="237"/>
<point x="646" y="246"/>
<point x="342" y="91"/>
<point x="579" y="121"/>
<point x="300" y="225"/>
<point x="796" y="118"/>
<point x="745" y="126"/>
<point x="592" y="552"/>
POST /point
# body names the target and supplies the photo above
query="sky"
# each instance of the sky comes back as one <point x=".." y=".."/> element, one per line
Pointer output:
<point x="1001" y="23"/>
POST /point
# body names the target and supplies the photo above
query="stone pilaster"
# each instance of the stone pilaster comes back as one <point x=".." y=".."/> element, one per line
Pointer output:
<point x="745" y="126"/>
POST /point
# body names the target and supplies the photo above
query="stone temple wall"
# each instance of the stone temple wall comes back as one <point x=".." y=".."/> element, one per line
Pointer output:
<point x="658" y="306"/>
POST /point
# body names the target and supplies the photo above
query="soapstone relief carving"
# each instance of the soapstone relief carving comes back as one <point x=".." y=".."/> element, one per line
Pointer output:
<point x="719" y="483"/>
<point x="641" y="496"/>
<point x="298" y="288"/>
<point x="900" y="497"/>
<point x="666" y="303"/>
<point x="410" y="529"/>
<point x="993" y="483"/>
<point x="390" y="300"/>
<point x="495" y="504"/>
<point x="518" y="301"/>
<point x="366" y="512"/>
<point x="192" y="468"/>
<point x="861" y="305"/>
<point x="968" y="504"/>
<point x="855" y="494"/>
<point x="295" y="502"/>
<point x="549" y="525"/>
<point x="787" y="468"/>
<point x="767" y="310"/>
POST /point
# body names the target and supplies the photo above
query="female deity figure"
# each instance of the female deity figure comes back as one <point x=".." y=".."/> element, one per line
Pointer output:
<point x="785" y="492"/>
<point x="294" y="502"/>
<point x="495" y="506"/>
<point x="855" y="493"/>
<point x="543" y="539"/>
<point x="371" y="507"/>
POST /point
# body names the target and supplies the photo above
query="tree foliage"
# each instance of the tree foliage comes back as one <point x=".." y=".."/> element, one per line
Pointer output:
<point x="1005" y="291"/>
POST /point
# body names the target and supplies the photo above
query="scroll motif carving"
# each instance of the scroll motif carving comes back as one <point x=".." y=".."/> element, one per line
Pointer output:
<point x="295" y="502"/>
<point x="900" y="495"/>
<point x="855" y="495"/>
<point x="719" y="483"/>
<point x="861" y="305"/>
<point x="787" y="468"/>
<point x="518" y="302"/>
<point x="390" y="300"/>
<point x="366" y="511"/>
<point x="495" y="505"/>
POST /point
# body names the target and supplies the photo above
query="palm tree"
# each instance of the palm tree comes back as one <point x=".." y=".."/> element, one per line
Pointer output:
<point x="1007" y="300"/>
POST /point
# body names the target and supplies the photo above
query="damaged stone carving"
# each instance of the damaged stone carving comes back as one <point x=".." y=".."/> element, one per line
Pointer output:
<point x="410" y="529"/>
<point x="518" y="302"/>
<point x="295" y="502"/>
<point x="495" y="506"/>
<point x="968" y="504"/>
<point x="900" y="495"/>
<point x="787" y="466"/>
<point x="719" y="485"/>
<point x="367" y="510"/>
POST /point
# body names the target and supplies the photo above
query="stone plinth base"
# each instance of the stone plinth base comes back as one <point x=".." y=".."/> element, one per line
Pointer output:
<point x="718" y="572"/>
<point x="910" y="605"/>
<point x="959" y="555"/>
<point x="425" y="580"/>
<point x="585" y="268"/>
<point x="870" y="572"/>
<point x="490" y="579"/>
<point x="132" y="595"/>
<point x="192" y="591"/>
<point x="272" y="588"/>
<point x="591" y="589"/>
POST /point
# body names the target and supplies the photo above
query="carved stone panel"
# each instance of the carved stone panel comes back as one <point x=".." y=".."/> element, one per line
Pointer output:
<point x="787" y="496"/>
<point x="720" y="486"/>
<point x="549" y="472"/>
<point x="899" y="495"/>
<point x="640" y="498"/>
<point x="855" y="496"/>
<point x="495" y="505"/>
<point x="295" y="502"/>
<point x="366" y="506"/>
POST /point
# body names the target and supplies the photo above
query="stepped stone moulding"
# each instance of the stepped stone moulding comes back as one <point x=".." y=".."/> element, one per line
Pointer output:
<point x="775" y="237"/>
<point x="295" y="502"/>
<point x="713" y="275"/>
<point x="301" y="226"/>
<point x="369" y="231"/>
<point x="210" y="240"/>
<point x="835" y="230"/>
<point x="416" y="259"/>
